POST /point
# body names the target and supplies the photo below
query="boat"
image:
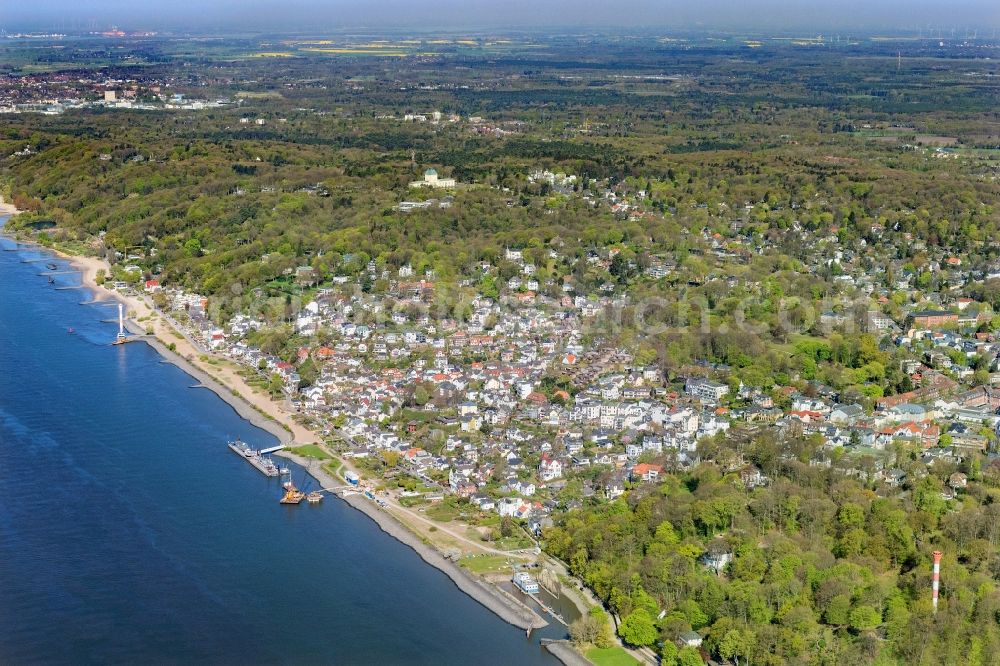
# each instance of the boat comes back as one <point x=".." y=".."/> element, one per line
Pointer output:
<point x="315" y="497"/>
<point x="285" y="470"/>
<point x="263" y="465"/>
<point x="51" y="280"/>
<point x="292" y="494"/>
<point x="71" y="330"/>
<point x="51" y="266"/>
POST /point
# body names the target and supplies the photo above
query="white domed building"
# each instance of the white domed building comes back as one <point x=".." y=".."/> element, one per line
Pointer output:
<point x="431" y="179"/>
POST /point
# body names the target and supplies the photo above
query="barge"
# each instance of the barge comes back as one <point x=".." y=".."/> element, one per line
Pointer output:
<point x="263" y="465"/>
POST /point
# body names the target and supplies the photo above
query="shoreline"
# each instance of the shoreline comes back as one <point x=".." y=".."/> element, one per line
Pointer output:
<point x="508" y="610"/>
<point x="564" y="651"/>
<point x="89" y="268"/>
<point x="241" y="407"/>
<point x="517" y="615"/>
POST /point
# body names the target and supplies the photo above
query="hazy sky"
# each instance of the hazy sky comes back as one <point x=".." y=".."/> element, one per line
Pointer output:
<point x="319" y="15"/>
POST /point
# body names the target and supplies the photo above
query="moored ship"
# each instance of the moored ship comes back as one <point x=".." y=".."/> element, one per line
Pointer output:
<point x="292" y="494"/>
<point x="264" y="465"/>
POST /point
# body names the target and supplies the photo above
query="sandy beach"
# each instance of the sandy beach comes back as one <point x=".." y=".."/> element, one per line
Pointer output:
<point x="224" y="380"/>
<point x="151" y="327"/>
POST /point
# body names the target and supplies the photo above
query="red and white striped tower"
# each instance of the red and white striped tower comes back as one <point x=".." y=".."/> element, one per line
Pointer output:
<point x="935" y="586"/>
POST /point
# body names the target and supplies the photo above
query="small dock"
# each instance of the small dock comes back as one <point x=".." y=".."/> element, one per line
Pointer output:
<point x="123" y="338"/>
<point x="255" y="458"/>
<point x="528" y="587"/>
<point x="554" y="615"/>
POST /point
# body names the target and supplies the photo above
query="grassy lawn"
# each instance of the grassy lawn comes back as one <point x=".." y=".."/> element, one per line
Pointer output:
<point x="615" y="656"/>
<point x="418" y="416"/>
<point x="443" y="512"/>
<point x="513" y="543"/>
<point x="334" y="467"/>
<point x="311" y="451"/>
<point x="485" y="564"/>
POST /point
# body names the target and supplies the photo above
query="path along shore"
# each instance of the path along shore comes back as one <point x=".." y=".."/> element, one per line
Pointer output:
<point x="234" y="390"/>
<point x="506" y="608"/>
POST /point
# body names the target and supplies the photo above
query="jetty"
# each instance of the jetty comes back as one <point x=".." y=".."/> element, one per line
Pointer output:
<point x="563" y="651"/>
<point x="551" y="612"/>
<point x="122" y="337"/>
<point x="529" y="587"/>
<point x="263" y="465"/>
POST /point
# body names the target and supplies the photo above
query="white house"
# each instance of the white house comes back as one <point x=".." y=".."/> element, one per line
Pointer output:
<point x="431" y="179"/>
<point x="549" y="468"/>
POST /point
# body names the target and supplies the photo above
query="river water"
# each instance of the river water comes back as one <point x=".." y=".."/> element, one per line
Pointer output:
<point x="129" y="533"/>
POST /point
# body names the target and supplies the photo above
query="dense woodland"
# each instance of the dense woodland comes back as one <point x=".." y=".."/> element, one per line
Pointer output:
<point x="765" y="175"/>
<point x="824" y="570"/>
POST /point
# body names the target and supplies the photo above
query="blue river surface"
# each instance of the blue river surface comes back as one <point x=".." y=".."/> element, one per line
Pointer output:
<point x="129" y="532"/>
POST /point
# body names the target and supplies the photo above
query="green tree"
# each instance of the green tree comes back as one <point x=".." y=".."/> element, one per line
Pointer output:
<point x="865" y="618"/>
<point x="737" y="644"/>
<point x="668" y="654"/>
<point x="689" y="656"/>
<point x="593" y="628"/>
<point x="838" y="611"/>
<point x="638" y="629"/>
